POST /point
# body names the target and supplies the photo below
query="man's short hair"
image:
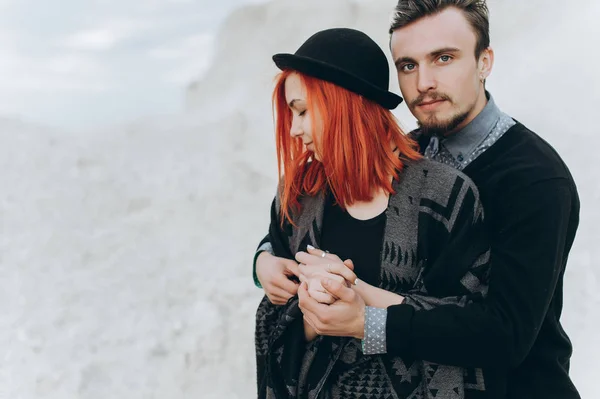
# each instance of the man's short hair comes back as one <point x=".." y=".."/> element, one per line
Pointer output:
<point x="476" y="12"/>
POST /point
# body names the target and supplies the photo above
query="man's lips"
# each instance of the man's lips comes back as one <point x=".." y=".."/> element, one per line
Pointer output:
<point x="430" y="102"/>
<point x="430" y="105"/>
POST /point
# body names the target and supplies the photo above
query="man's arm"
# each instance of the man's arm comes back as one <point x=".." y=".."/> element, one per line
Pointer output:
<point x="527" y="259"/>
<point x="273" y="267"/>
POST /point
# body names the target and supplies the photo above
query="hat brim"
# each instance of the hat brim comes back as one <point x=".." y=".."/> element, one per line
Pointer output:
<point x="340" y="77"/>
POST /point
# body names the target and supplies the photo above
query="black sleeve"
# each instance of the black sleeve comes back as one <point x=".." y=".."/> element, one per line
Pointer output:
<point x="277" y="236"/>
<point x="273" y="218"/>
<point x="527" y="257"/>
<point x="265" y="240"/>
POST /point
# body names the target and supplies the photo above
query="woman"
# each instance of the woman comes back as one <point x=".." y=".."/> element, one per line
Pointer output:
<point x="352" y="183"/>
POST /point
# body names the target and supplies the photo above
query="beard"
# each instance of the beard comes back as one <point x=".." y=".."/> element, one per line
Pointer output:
<point x="435" y="127"/>
<point x="432" y="126"/>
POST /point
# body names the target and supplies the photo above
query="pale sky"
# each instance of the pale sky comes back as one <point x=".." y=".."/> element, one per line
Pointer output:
<point x="80" y="64"/>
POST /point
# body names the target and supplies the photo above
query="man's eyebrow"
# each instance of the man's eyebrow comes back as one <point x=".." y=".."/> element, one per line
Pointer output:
<point x="433" y="54"/>
<point x="402" y="60"/>
<point x="436" y="53"/>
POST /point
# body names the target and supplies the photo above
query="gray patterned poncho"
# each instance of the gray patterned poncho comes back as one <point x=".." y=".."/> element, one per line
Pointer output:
<point x="435" y="252"/>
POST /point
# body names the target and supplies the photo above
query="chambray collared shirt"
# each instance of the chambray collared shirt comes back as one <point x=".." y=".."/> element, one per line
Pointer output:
<point x="462" y="147"/>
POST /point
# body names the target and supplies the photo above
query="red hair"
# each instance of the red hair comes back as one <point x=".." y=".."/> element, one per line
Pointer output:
<point x="354" y="142"/>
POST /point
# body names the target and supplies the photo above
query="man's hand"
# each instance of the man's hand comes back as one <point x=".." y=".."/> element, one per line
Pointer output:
<point x="273" y="274"/>
<point x="344" y="318"/>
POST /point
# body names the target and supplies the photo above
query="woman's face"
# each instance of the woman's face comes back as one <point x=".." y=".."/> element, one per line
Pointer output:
<point x="302" y="128"/>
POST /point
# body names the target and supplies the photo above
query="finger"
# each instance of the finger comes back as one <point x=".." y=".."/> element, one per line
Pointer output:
<point x="319" y="252"/>
<point x="307" y="271"/>
<point x="307" y="303"/>
<point x="338" y="290"/>
<point x="311" y="271"/>
<point x="303" y="293"/>
<point x="332" y="276"/>
<point x="315" y="269"/>
<point x="311" y="320"/>
<point x="329" y="271"/>
<point x="317" y="274"/>
<point x="322" y="297"/>
<point x="277" y="292"/>
<point x="349" y="264"/>
<point x="277" y="300"/>
<point x="308" y="259"/>
<point x="302" y="278"/>
<point x="323" y="274"/>
<point x="342" y="270"/>
<point x="285" y="284"/>
<point x="292" y="267"/>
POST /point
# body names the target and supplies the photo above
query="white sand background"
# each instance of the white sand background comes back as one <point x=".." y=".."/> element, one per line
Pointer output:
<point x="125" y="252"/>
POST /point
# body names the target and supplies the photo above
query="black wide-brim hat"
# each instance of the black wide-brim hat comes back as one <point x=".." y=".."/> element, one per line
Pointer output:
<point x="348" y="58"/>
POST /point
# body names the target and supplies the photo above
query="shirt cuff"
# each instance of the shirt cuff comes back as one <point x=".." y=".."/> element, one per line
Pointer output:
<point x="375" y="342"/>
<point x="265" y="247"/>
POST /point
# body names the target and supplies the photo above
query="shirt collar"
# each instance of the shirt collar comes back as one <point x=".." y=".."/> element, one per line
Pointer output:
<point x="461" y="143"/>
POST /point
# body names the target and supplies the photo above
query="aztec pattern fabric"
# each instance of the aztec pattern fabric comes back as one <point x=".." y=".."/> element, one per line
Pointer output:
<point x="435" y="252"/>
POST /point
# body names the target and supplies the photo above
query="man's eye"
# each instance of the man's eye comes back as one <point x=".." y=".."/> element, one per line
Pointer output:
<point x="445" y="58"/>
<point x="408" y="67"/>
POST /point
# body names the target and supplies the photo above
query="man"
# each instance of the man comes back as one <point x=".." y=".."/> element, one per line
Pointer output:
<point x="442" y="55"/>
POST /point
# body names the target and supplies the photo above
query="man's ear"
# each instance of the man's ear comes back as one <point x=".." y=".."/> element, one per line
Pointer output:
<point x="485" y="63"/>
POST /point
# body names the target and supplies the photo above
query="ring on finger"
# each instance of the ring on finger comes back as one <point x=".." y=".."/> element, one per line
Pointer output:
<point x="323" y="254"/>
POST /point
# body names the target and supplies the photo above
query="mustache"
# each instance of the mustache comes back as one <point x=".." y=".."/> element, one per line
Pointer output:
<point x="431" y="96"/>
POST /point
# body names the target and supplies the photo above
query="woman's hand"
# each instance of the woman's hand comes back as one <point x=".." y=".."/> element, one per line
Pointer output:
<point x="316" y="261"/>
<point x="313" y="263"/>
<point x="315" y="288"/>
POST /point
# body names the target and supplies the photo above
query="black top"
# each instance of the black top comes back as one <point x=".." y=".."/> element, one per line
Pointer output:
<point x="532" y="212"/>
<point x="350" y="238"/>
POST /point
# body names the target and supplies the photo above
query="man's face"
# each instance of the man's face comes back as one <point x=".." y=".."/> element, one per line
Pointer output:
<point x="439" y="77"/>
